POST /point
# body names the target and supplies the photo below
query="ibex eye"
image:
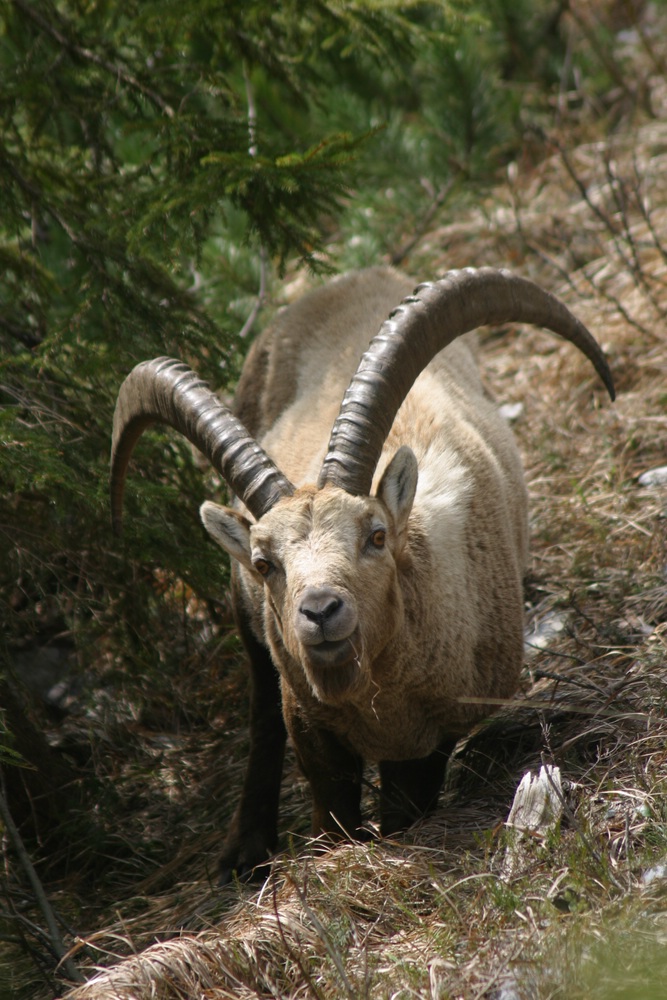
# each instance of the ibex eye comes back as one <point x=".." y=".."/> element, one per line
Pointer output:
<point x="263" y="566"/>
<point x="378" y="538"/>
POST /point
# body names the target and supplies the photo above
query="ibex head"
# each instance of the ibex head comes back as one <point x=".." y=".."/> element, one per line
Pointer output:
<point x="328" y="560"/>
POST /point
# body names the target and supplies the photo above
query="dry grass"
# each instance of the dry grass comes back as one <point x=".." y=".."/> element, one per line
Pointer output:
<point x="583" y="913"/>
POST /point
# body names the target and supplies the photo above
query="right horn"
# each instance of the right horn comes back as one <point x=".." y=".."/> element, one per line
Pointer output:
<point x="425" y="323"/>
<point x="169" y="392"/>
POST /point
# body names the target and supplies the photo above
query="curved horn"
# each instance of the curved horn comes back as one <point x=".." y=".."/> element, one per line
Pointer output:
<point x="426" y="322"/>
<point x="168" y="391"/>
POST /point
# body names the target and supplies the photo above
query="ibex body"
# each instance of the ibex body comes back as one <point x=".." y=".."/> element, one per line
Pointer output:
<point x="377" y="568"/>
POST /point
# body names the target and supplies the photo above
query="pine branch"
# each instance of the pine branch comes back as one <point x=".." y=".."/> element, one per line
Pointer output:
<point x="118" y="71"/>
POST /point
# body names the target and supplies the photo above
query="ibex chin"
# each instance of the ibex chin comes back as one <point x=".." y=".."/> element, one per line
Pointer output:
<point x="379" y="538"/>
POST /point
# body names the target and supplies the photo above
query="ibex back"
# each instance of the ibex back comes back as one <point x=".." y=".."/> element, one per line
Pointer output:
<point x="379" y="538"/>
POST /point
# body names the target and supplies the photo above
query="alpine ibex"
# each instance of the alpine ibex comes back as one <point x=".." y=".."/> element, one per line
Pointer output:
<point x="378" y="565"/>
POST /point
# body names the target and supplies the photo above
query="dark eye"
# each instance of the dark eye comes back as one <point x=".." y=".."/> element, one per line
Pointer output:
<point x="378" y="538"/>
<point x="263" y="566"/>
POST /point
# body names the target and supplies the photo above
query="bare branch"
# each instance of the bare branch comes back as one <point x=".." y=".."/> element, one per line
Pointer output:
<point x="55" y="940"/>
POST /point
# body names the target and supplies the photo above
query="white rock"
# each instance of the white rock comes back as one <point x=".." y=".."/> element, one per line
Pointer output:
<point x="654" y="477"/>
<point x="538" y="801"/>
<point x="543" y="631"/>
<point x="511" y="411"/>
<point x="655" y="874"/>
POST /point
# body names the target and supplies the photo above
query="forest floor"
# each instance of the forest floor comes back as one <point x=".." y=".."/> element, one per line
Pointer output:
<point x="465" y="906"/>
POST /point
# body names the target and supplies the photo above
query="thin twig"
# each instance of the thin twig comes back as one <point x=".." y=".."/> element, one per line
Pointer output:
<point x="421" y="228"/>
<point x="51" y="922"/>
<point x="562" y="679"/>
<point x="645" y="211"/>
<point x="618" y="190"/>
<point x="263" y="255"/>
<point x="572" y="819"/>
<point x="308" y="979"/>
<point x="619" y="237"/>
<point x="658" y="62"/>
<point x="597" y="291"/>
<point x="563" y="272"/>
<point x="324" y="937"/>
<point x="608" y="61"/>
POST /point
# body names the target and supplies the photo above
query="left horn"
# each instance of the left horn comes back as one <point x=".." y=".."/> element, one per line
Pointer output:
<point x="421" y="326"/>
<point x="168" y="391"/>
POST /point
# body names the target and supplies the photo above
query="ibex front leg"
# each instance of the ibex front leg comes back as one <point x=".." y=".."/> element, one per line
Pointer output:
<point x="253" y="833"/>
<point x="334" y="773"/>
<point x="410" y="788"/>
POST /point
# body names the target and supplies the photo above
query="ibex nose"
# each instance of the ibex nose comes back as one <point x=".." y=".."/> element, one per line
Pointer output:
<point x="319" y="605"/>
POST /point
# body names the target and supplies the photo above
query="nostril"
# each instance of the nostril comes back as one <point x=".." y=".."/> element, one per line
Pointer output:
<point x="319" y="606"/>
<point x="331" y="607"/>
<point x="312" y="616"/>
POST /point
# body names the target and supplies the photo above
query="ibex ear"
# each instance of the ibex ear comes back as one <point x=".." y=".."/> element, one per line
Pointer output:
<point x="228" y="529"/>
<point x="398" y="485"/>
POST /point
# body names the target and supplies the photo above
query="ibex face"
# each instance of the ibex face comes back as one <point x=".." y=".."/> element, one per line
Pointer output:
<point x="328" y="561"/>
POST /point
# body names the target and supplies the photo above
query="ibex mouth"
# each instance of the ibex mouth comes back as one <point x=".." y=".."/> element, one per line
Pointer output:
<point x="331" y="653"/>
<point x="333" y="668"/>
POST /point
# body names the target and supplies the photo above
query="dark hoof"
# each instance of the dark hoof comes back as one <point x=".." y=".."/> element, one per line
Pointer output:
<point x="244" y="873"/>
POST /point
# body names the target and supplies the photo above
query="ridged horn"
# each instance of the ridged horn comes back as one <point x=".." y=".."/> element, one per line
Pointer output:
<point x="167" y="391"/>
<point x="422" y="325"/>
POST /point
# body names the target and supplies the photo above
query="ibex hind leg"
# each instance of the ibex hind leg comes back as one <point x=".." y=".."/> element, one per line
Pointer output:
<point x="410" y="788"/>
<point x="252" y="836"/>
